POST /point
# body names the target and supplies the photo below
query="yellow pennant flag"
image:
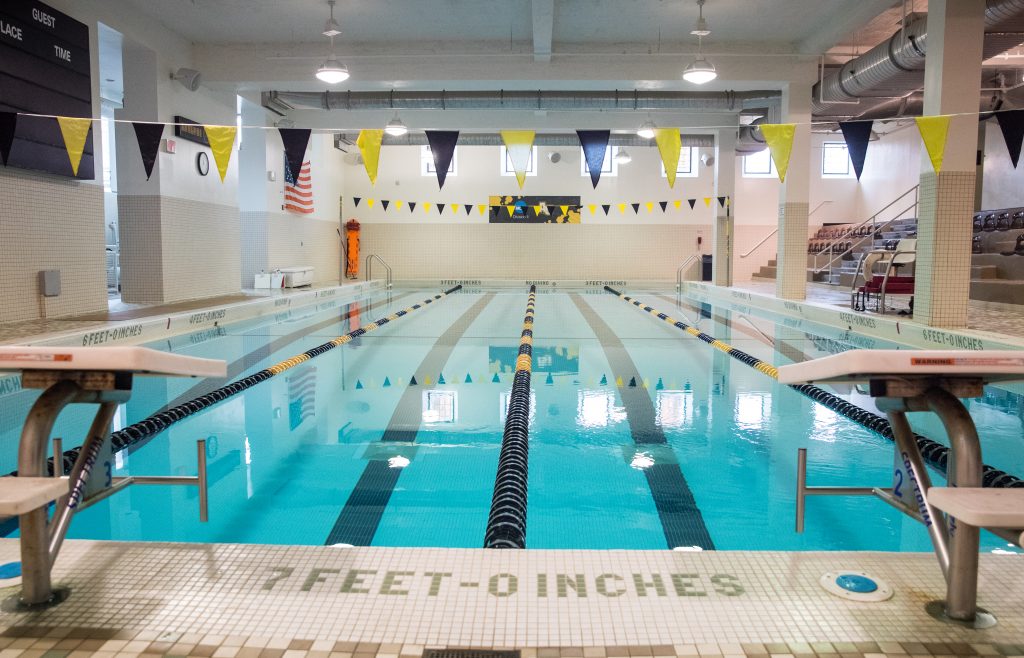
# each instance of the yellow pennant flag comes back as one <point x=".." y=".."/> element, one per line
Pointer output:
<point x="369" y="203"/>
<point x="677" y="203"/>
<point x="650" y="206"/>
<point x="426" y="206"/>
<point x="933" y="132"/>
<point x="481" y="208"/>
<point x="565" y="209"/>
<point x="780" y="143"/>
<point x="669" y="145"/>
<point x="511" y="210"/>
<point x="519" y="145"/>
<point x="537" y="209"/>
<point x="455" y="209"/>
<point x="398" y="205"/>
<point x="369" y="146"/>
<point x="622" y="208"/>
<point x="592" y="208"/>
<point x="707" y="202"/>
<point x="222" y="140"/>
<point x="75" y="132"/>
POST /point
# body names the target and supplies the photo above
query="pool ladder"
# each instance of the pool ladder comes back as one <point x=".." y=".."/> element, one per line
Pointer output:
<point x="369" y="269"/>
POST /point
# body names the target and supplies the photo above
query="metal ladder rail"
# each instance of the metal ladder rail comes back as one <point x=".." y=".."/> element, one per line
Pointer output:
<point x="679" y="270"/>
<point x="369" y="268"/>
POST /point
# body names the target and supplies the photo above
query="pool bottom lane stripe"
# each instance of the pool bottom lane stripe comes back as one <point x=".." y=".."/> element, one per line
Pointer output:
<point x="360" y="517"/>
<point x="681" y="519"/>
<point x="935" y="453"/>
<point x="506" y="524"/>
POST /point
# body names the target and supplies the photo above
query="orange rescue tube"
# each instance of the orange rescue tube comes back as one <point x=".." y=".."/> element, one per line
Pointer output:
<point x="352" y="243"/>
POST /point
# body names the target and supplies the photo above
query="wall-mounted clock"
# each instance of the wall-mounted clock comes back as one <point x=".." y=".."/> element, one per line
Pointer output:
<point x="203" y="163"/>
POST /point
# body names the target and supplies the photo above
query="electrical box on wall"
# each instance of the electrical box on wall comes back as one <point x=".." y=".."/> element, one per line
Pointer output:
<point x="49" y="283"/>
<point x="170" y="146"/>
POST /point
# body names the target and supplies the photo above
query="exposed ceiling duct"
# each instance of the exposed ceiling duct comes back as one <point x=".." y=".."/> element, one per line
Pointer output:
<point x="633" y="100"/>
<point x="345" y="141"/>
<point x="895" y="67"/>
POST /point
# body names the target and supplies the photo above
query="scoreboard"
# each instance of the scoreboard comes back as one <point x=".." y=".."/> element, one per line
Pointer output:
<point x="44" y="69"/>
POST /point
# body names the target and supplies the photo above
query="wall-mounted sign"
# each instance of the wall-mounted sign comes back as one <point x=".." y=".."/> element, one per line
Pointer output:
<point x="190" y="130"/>
<point x="44" y="69"/>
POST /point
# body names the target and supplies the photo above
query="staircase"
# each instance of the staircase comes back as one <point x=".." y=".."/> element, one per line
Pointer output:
<point x="768" y="272"/>
<point x="844" y="271"/>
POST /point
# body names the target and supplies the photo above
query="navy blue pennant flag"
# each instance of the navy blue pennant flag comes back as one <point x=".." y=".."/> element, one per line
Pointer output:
<point x="857" y="134"/>
<point x="412" y="206"/>
<point x="1011" y="123"/>
<point x="606" y="207"/>
<point x="691" y="202"/>
<point x="357" y="199"/>
<point x="468" y="207"/>
<point x="664" y="205"/>
<point x="440" y="208"/>
<point x="385" y="203"/>
<point x="595" y="146"/>
<point x="721" y="201"/>
<point x="442" y="147"/>
<point x="295" y="142"/>
<point x="148" y="135"/>
<point x="8" y="122"/>
<point x="636" y="207"/>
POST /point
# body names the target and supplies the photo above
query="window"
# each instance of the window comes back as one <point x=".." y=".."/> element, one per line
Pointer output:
<point x="687" y="166"/>
<point x="759" y="165"/>
<point x="440" y="406"/>
<point x="427" y="162"/>
<point x="835" y="160"/>
<point x="506" y="163"/>
<point x="609" y="168"/>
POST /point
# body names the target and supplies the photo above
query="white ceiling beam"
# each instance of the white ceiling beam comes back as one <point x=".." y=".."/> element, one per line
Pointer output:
<point x="543" y="29"/>
<point x="847" y="19"/>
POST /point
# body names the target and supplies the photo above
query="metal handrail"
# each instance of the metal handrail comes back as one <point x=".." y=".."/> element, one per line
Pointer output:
<point x="874" y="229"/>
<point x="768" y="339"/>
<point x="856" y="243"/>
<point x="369" y="268"/>
<point x="767" y="237"/>
<point x="679" y="270"/>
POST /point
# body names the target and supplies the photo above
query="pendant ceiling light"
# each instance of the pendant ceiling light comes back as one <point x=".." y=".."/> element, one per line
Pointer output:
<point x="646" y="130"/>
<point x="622" y="157"/>
<point x="395" y="127"/>
<point x="332" y="71"/>
<point x="700" y="71"/>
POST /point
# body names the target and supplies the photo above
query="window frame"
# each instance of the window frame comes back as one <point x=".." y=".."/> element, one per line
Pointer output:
<point x="505" y="160"/>
<point x="849" y="173"/>
<point x="772" y="171"/>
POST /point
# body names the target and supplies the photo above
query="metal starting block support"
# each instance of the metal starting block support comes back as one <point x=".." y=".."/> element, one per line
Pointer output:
<point x="928" y="380"/>
<point x="99" y="375"/>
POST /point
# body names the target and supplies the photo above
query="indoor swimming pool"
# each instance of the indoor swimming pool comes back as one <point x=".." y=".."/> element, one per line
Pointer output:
<point x="641" y="436"/>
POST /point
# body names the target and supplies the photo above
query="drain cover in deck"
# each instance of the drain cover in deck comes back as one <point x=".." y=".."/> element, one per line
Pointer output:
<point x="469" y="653"/>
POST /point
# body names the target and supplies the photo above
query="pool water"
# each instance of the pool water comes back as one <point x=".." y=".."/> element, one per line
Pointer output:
<point x="641" y="437"/>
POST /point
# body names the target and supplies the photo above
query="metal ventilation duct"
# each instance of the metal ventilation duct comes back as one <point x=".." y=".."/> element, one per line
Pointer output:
<point x="345" y="141"/>
<point x="896" y="66"/>
<point x="726" y="101"/>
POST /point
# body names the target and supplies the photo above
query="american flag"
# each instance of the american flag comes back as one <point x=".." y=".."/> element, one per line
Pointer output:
<point x="298" y="195"/>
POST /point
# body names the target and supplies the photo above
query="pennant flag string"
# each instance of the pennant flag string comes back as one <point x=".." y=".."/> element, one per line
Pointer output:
<point x="222" y="141"/>
<point x="295" y="141"/>
<point x="76" y="132"/>
<point x="780" y="143"/>
<point x="669" y="145"/>
<point x="934" y="130"/>
<point x="519" y="146"/>
<point x="369" y="142"/>
<point x="148" y="136"/>
<point x="595" y="146"/>
<point x="8" y="124"/>
<point x="1011" y="124"/>
<point x="856" y="134"/>
<point x="442" y="149"/>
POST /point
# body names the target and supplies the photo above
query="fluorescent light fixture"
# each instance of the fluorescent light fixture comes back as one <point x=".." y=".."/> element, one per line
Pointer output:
<point x="622" y="157"/>
<point x="395" y="128"/>
<point x="700" y="71"/>
<point x="646" y="130"/>
<point x="332" y="71"/>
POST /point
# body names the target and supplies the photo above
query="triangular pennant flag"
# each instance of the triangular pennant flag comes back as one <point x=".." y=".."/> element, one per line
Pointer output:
<point x="660" y="386"/>
<point x="565" y="209"/>
<point x="618" y="381"/>
<point x="455" y="208"/>
<point x="707" y="202"/>
<point x="856" y="134"/>
<point x="426" y="381"/>
<point x="592" y="208"/>
<point x="412" y="206"/>
<point x="622" y="208"/>
<point x="357" y="199"/>
<point x="511" y="210"/>
<point x="440" y="379"/>
<point x="398" y="205"/>
<point x="75" y="132"/>
<point x="468" y="380"/>
<point x="359" y="384"/>
<point x="369" y="203"/>
<point x="1011" y="123"/>
<point x="669" y="145"/>
<point x="664" y="205"/>
<point x="384" y="204"/>
<point x="650" y="206"/>
<point x="8" y="122"/>
<point x="604" y="380"/>
<point x="933" y="133"/>
<point x="519" y="145"/>
<point x="495" y="379"/>
<point x="412" y="381"/>
<point x="148" y="136"/>
<point x="426" y="207"/>
<point x="549" y="379"/>
<point x="636" y="207"/>
<point x="595" y="146"/>
<point x="632" y="382"/>
<point x="440" y="208"/>
<point x="369" y="146"/>
<point x="606" y="207"/>
<point x="468" y="207"/>
<point x="721" y="201"/>
<point x="295" y="141"/>
<point x="387" y="382"/>
<point x="677" y="203"/>
<point x="482" y="208"/>
<point x="442" y="148"/>
<point x="692" y="202"/>
<point x="779" y="137"/>
<point x="222" y="141"/>
<point x="538" y="209"/>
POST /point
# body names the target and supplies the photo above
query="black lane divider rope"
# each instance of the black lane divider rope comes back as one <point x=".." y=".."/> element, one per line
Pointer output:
<point x="160" y="421"/>
<point x="933" y="452"/>
<point x="506" y="525"/>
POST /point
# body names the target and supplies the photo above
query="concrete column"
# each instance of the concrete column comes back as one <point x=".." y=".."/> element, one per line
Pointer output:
<point x="252" y="193"/>
<point x="952" y="83"/>
<point x="791" y="274"/>
<point x="725" y="185"/>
